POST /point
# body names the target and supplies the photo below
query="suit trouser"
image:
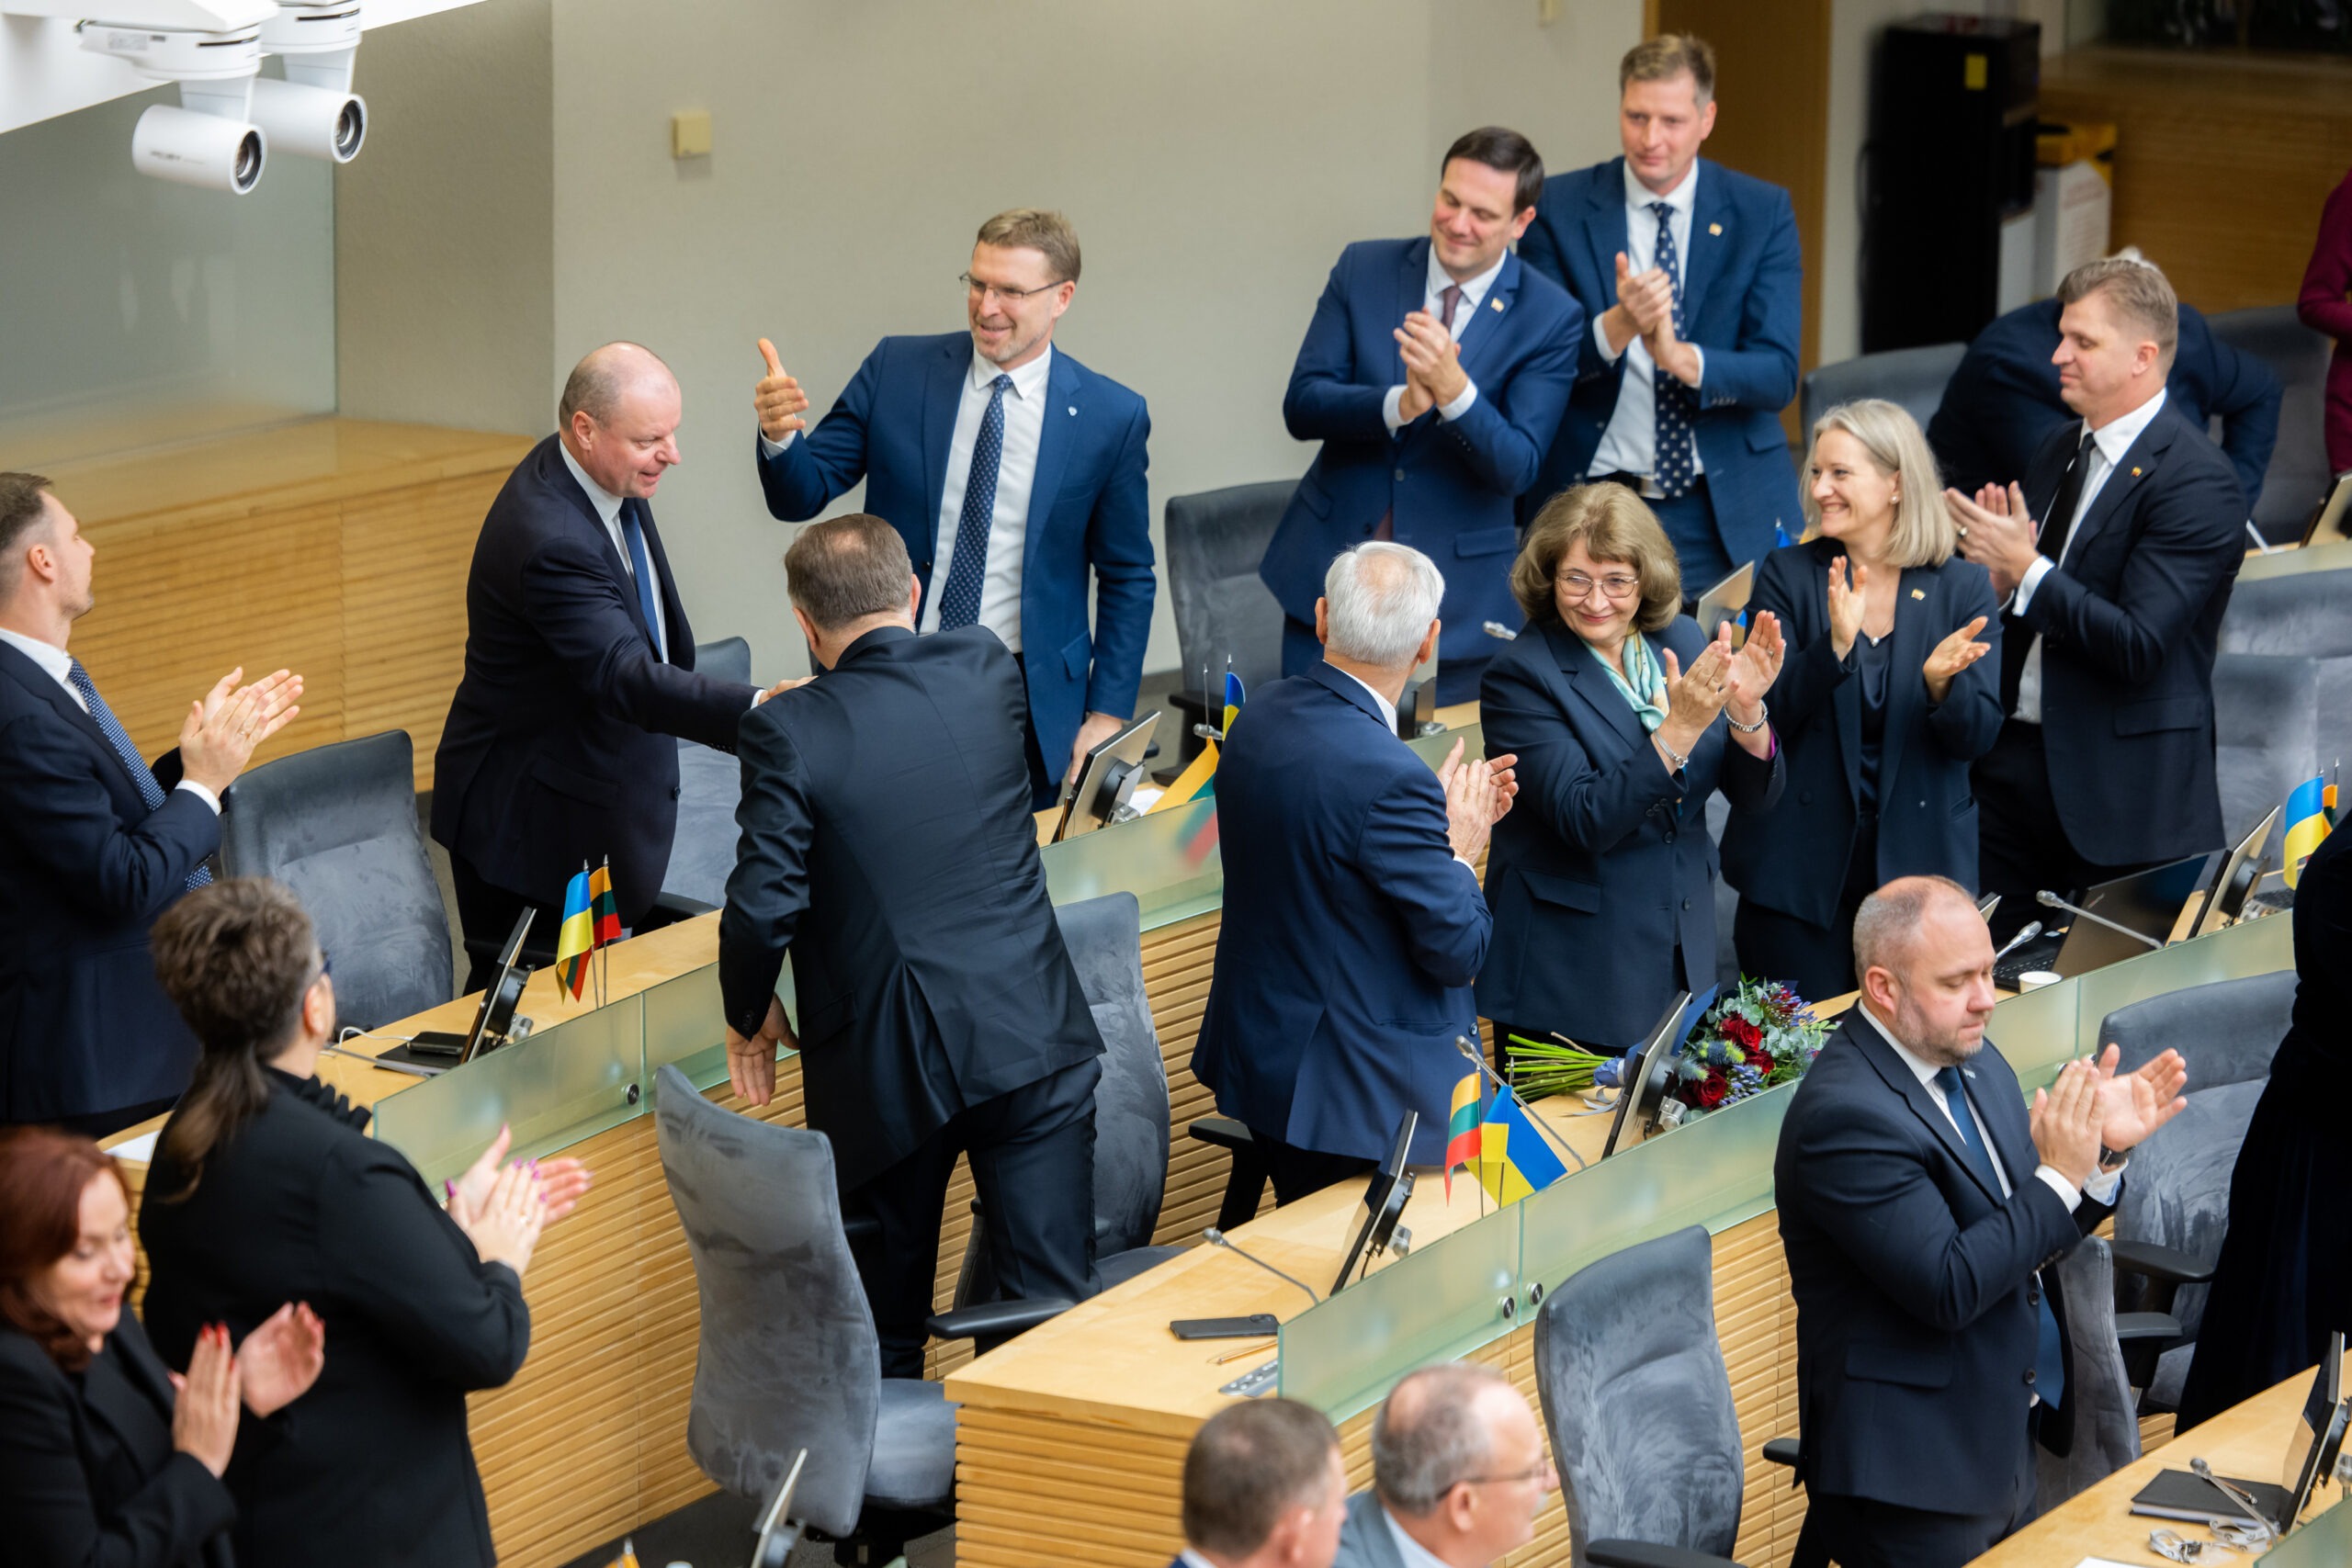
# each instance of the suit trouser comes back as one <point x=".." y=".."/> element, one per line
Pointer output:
<point x="2021" y="846"/>
<point x="1296" y="1172"/>
<point x="1861" y="1532"/>
<point x="1032" y="1152"/>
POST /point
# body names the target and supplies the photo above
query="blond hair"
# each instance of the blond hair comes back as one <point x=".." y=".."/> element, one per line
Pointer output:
<point x="1612" y="525"/>
<point x="1035" y="228"/>
<point x="1925" y="532"/>
<point x="1667" y="56"/>
<point x="2139" y="293"/>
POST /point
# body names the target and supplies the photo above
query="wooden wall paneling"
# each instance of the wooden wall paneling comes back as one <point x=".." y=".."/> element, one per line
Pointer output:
<point x="406" y="555"/>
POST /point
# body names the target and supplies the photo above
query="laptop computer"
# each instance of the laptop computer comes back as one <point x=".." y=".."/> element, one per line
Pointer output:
<point x="2147" y="904"/>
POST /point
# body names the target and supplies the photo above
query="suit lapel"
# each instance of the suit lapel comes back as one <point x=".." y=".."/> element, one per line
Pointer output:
<point x="35" y="680"/>
<point x="1918" y="627"/>
<point x="1412" y="293"/>
<point x="940" y="395"/>
<point x="1482" y="331"/>
<point x="117" y="1403"/>
<point x="559" y="478"/>
<point x="673" y="608"/>
<point x="1905" y="1082"/>
<point x="1590" y="683"/>
<point x="1064" y="409"/>
<point x="1604" y="225"/>
<point x="2136" y="468"/>
<point x="2000" y="1112"/>
<point x="1711" y="222"/>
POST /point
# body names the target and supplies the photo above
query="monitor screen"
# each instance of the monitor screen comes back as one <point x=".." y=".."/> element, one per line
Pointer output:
<point x="1384" y="1201"/>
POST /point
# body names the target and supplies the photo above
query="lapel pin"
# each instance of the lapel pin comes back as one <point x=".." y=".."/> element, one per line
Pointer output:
<point x="1918" y="594"/>
<point x="1073" y="409"/>
<point x="2135" y="473"/>
<point x="1716" y="229"/>
<point x="1498" y="307"/>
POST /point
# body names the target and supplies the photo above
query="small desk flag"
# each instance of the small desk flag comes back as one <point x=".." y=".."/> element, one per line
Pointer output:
<point x="1461" y="1140"/>
<point x="1234" y="695"/>
<point x="1514" y="1160"/>
<point x="576" y="938"/>
<point x="2306" y="824"/>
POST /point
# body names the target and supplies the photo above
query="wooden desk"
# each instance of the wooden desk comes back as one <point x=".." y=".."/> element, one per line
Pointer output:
<point x="2249" y="1441"/>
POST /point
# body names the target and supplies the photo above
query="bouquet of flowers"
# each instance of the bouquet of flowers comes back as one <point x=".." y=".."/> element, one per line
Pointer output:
<point x="1540" y="1068"/>
<point x="1761" y="1035"/>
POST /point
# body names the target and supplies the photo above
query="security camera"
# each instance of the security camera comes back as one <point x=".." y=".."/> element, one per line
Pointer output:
<point x="314" y="112"/>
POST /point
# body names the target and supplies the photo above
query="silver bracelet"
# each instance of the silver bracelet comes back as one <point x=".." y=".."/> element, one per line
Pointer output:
<point x="1680" y="759"/>
<point x="1763" y="716"/>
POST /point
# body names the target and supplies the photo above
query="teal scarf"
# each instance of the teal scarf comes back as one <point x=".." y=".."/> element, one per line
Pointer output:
<point x="1643" y="685"/>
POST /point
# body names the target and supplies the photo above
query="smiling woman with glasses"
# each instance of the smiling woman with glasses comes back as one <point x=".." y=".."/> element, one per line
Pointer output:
<point x="1625" y="717"/>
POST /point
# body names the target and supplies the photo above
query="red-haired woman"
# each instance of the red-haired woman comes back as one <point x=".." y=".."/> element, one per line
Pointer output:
<point x="108" y="1459"/>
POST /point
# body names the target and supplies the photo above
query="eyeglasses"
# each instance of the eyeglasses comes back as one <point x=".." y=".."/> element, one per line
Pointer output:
<point x="1528" y="1474"/>
<point x="1617" y="586"/>
<point x="981" y="291"/>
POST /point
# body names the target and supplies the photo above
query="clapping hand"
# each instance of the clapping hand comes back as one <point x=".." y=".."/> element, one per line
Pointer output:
<point x="1694" y="696"/>
<point x="1996" y="533"/>
<point x="204" y="1409"/>
<point x="1951" y="656"/>
<point x="1674" y="357"/>
<point x="279" y="1361"/>
<point x="1755" y="667"/>
<point x="1847" y="580"/>
<point x="1434" y="373"/>
<point x="2137" y="1103"/>
<point x="1478" y="794"/>
<point x="777" y="399"/>
<point x="225" y="726"/>
<point x="2068" y="1123"/>
<point x="562" y="1182"/>
<point x="1646" y="298"/>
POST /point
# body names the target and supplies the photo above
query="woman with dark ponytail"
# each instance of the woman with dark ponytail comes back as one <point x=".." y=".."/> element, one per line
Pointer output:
<point x="265" y="1188"/>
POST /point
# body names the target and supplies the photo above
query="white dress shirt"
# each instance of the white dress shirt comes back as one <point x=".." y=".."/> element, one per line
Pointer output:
<point x="59" y="666"/>
<point x="1629" y="444"/>
<point x="608" y="511"/>
<point x="1016" y="476"/>
<point x="1474" y="294"/>
<point x="2108" y="446"/>
<point x="1411" y="1552"/>
<point x="1192" y="1559"/>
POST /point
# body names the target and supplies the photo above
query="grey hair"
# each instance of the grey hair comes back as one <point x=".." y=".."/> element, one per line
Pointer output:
<point x="596" y="383"/>
<point x="1380" y="598"/>
<point x="1428" y="1438"/>
<point x="1887" y="924"/>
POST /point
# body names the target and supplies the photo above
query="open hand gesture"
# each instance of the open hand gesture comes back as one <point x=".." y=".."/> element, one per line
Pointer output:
<point x="1996" y="533"/>
<point x="2137" y="1103"/>
<point x="1951" y="656"/>
<point x="750" y="1063"/>
<point x="1694" y="696"/>
<point x="225" y="726"/>
<point x="279" y="1361"/>
<point x="1847" y="580"/>
<point x="1756" y="666"/>
<point x="204" y="1407"/>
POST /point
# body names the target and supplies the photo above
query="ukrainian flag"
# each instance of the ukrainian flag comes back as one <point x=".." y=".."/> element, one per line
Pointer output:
<point x="576" y="938"/>
<point x="1515" y="1161"/>
<point x="2306" y="825"/>
<point x="1233" y="699"/>
<point x="1462" y="1142"/>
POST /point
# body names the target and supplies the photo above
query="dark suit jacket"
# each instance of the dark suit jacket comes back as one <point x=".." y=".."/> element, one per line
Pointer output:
<point x="887" y="842"/>
<point x="2130" y="625"/>
<point x="1351" y="934"/>
<point x="88" y="1477"/>
<point x="1089" y="510"/>
<point x="2002" y="403"/>
<point x="1741" y="288"/>
<point x="558" y="749"/>
<point x="372" y="1465"/>
<point x="84" y="868"/>
<point x="1604" y="864"/>
<point x="1448" y="486"/>
<point x="1365" y="1539"/>
<point x="1795" y="861"/>
<point x="1914" y="1281"/>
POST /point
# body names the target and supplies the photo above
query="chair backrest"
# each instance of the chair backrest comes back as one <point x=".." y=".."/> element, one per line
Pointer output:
<point x="1106" y="943"/>
<point x="2098" y="1390"/>
<point x="710" y="784"/>
<point x="1914" y="378"/>
<point x="1637" y="1401"/>
<point x="2298" y="475"/>
<point x="2307" y="614"/>
<point x="1215" y="540"/>
<point x="337" y="824"/>
<point x="2265" y="732"/>
<point x="788" y="1357"/>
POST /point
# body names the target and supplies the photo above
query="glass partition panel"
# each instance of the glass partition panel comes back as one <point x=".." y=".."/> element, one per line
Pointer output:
<point x="686" y="1024"/>
<point x="2251" y="947"/>
<point x="2324" y="1542"/>
<point x="1168" y="860"/>
<point x="2035" y="1030"/>
<point x="1439" y="1302"/>
<point x="561" y="1085"/>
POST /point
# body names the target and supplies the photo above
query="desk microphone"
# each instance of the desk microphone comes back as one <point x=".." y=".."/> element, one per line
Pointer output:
<point x="2052" y="901"/>
<point x="2026" y="933"/>
<point x="1216" y="1238"/>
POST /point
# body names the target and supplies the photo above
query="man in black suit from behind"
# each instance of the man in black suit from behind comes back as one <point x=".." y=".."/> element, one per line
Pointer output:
<point x="94" y="842"/>
<point x="1921" y="1205"/>
<point x="579" y="669"/>
<point x="887" y="842"/>
<point x="2111" y="610"/>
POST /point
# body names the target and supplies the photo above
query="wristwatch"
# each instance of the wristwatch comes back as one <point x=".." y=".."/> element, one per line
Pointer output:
<point x="2109" y="1159"/>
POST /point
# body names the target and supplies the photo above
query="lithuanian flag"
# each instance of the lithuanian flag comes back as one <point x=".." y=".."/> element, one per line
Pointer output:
<point x="2306" y="825"/>
<point x="1461" y="1141"/>
<point x="576" y="938"/>
<point x="603" y="906"/>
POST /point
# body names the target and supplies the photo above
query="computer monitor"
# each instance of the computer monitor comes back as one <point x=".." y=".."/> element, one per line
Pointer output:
<point x="2148" y="902"/>
<point x="1384" y="1202"/>
<point x="1725" y="602"/>
<point x="2327" y="521"/>
<point x="2226" y="899"/>
<point x="430" y="1053"/>
<point x="1106" y="785"/>
<point x="2319" y="1438"/>
<point x="778" y="1534"/>
<point x="1649" y="1069"/>
<point x="1986" y="905"/>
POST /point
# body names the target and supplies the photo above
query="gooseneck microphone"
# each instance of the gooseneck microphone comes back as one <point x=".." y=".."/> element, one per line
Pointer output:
<point x="1218" y="1238"/>
<point x="2026" y="933"/>
<point x="2052" y="901"/>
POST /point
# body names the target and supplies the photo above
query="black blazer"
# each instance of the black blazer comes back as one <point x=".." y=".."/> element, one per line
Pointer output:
<point x="1604" y="863"/>
<point x="1795" y="861"/>
<point x="84" y="868"/>
<point x="887" y="842"/>
<point x="89" y="1476"/>
<point x="372" y="1465"/>
<point x="558" y="747"/>
<point x="2130" y="625"/>
<point x="1914" y="1281"/>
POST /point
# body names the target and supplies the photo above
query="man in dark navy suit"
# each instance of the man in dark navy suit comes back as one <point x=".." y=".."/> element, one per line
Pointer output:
<point x="2111" y="612"/>
<point x="1353" y="923"/>
<point x="1690" y="277"/>
<point x="1013" y="472"/>
<point x="1264" y="1487"/>
<point x="2005" y="400"/>
<point x="579" y="669"/>
<point x="888" y="845"/>
<point x="1921" y="1205"/>
<point x="1434" y="373"/>
<point x="95" y="842"/>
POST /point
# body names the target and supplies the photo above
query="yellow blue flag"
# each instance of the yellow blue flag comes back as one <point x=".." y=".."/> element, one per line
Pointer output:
<point x="1233" y="699"/>
<point x="2306" y="825"/>
<point x="576" y="938"/>
<point x="1514" y="1161"/>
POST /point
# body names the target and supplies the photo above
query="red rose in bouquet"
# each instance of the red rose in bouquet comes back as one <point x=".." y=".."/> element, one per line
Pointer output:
<point x="1712" y="1089"/>
<point x="1741" y="1032"/>
<point x="1759" y="1058"/>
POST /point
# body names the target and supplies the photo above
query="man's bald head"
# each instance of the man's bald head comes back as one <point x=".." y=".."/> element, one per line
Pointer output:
<point x="598" y="382"/>
<point x="1893" y="921"/>
<point x="618" y="418"/>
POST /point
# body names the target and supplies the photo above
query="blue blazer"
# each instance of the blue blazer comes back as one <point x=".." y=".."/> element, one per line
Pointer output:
<point x="1088" y="509"/>
<point x="2002" y="403"/>
<point x="1917" y="1317"/>
<point x="84" y="870"/>
<point x="1448" y="487"/>
<point x="1604" y="864"/>
<point x="1741" y="301"/>
<point x="1795" y="861"/>
<point x="1351" y="934"/>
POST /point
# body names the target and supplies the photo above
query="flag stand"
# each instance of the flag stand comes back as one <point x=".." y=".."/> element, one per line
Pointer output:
<point x="1469" y="1048"/>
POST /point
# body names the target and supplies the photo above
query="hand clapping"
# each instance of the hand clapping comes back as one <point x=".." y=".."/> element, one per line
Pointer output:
<point x="1847" y="580"/>
<point x="1477" y="795"/>
<point x="1996" y="533"/>
<point x="225" y="726"/>
<point x="1951" y="656"/>
<point x="1755" y="667"/>
<point x="1434" y="374"/>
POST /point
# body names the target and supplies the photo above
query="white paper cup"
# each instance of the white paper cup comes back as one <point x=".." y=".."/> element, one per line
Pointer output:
<point x="2034" y="979"/>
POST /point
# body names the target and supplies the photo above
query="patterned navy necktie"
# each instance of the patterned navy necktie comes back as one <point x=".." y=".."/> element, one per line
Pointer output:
<point x="2049" y="1355"/>
<point x="141" y="774"/>
<point x="959" y="602"/>
<point x="1675" y="461"/>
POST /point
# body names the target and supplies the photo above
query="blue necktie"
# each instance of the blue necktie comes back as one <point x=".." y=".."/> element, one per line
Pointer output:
<point x="1674" y="461"/>
<point x="959" y="602"/>
<point x="634" y="531"/>
<point x="141" y="775"/>
<point x="2049" y="1359"/>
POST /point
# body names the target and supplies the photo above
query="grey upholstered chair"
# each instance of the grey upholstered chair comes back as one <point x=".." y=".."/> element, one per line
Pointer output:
<point x="1914" y="378"/>
<point x="2107" y="1422"/>
<point x="1104" y="939"/>
<point x="1631" y="1372"/>
<point x="2298" y="476"/>
<point x="710" y="783"/>
<point x="788" y="1357"/>
<point x="337" y="824"/>
<point x="2175" y="1207"/>
<point x="2302" y="615"/>
<point x="2265" y="722"/>
<point x="1215" y="539"/>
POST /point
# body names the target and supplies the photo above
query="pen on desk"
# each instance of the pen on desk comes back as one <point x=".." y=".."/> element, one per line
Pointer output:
<point x="1244" y="1350"/>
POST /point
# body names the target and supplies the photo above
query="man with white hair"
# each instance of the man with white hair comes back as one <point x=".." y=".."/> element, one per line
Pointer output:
<point x="1354" y="924"/>
<point x="1458" y="1473"/>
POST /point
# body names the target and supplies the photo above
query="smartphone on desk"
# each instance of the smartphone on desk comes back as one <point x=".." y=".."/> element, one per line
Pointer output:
<point x="1257" y="1326"/>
